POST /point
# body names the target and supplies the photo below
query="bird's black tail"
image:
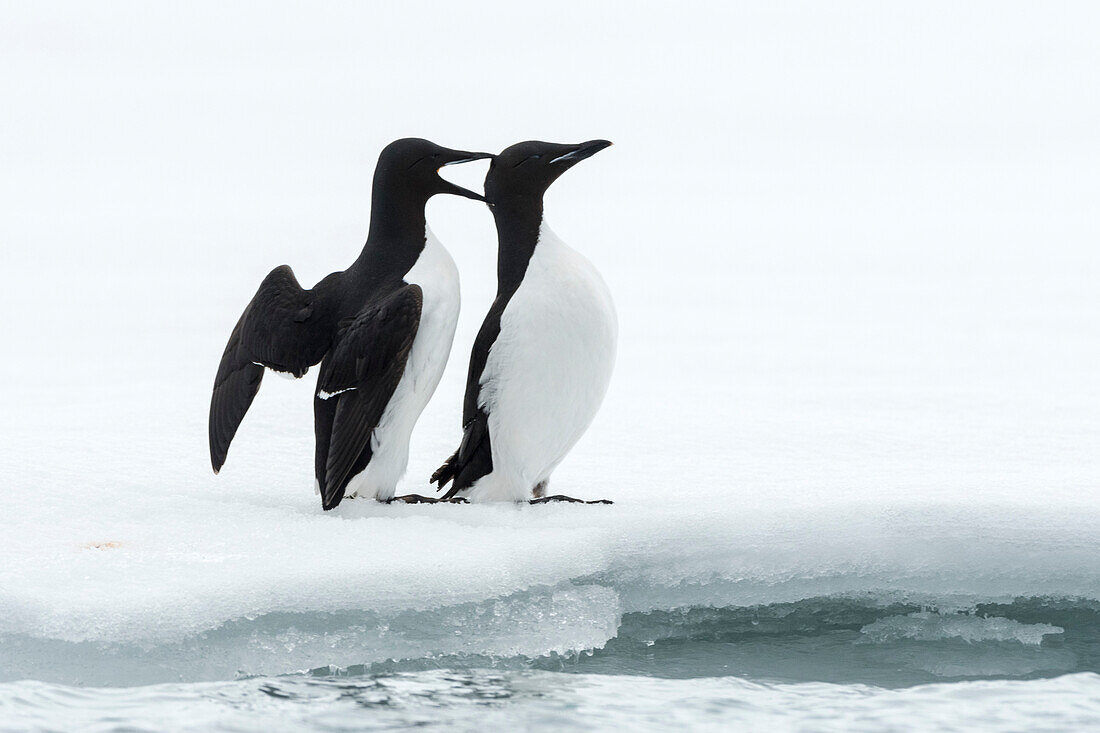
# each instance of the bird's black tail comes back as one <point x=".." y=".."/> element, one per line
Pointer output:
<point x="472" y="460"/>
<point x="445" y="473"/>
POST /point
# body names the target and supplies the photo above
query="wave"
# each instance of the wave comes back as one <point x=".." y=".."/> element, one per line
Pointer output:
<point x="478" y="700"/>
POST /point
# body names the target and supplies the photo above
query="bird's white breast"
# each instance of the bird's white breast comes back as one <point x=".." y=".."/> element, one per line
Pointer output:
<point x="548" y="370"/>
<point x="437" y="276"/>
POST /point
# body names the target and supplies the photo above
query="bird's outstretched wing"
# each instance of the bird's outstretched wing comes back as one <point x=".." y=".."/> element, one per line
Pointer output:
<point x="361" y="374"/>
<point x="284" y="328"/>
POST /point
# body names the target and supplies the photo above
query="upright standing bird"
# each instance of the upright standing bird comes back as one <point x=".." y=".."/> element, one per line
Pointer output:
<point x="543" y="358"/>
<point x="382" y="330"/>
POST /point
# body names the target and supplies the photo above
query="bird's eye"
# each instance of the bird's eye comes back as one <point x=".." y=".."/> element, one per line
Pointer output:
<point x="536" y="156"/>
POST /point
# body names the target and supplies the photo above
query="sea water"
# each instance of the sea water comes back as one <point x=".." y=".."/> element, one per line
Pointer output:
<point x="818" y="664"/>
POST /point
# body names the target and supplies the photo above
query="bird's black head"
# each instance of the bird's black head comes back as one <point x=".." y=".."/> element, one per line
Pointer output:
<point x="411" y="165"/>
<point x="526" y="170"/>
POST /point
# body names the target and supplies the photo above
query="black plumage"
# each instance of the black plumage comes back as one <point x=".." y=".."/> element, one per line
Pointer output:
<point x="514" y="186"/>
<point x="360" y="324"/>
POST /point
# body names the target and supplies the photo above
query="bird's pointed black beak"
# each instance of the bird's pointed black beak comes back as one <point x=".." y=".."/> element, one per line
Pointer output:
<point x="576" y="153"/>
<point x="455" y="157"/>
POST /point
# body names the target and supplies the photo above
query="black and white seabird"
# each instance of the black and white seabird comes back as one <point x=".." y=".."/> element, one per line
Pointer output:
<point x="382" y="330"/>
<point x="543" y="358"/>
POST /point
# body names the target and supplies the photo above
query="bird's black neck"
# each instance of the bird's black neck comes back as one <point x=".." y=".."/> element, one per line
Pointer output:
<point x="518" y="223"/>
<point x="398" y="229"/>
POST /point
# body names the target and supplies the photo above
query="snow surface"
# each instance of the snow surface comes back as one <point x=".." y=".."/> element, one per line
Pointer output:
<point x="855" y="263"/>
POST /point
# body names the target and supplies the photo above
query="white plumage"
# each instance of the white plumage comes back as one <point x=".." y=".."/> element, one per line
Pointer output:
<point x="548" y="370"/>
<point x="437" y="276"/>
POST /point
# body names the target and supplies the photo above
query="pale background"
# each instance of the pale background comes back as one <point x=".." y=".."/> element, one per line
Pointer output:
<point x="854" y="250"/>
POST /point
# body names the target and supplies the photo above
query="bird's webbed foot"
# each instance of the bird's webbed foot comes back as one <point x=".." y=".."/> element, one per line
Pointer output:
<point x="570" y="499"/>
<point x="412" y="499"/>
<point x="418" y="499"/>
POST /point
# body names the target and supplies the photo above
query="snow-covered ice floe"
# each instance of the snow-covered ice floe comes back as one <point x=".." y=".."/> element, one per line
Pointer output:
<point x="191" y="589"/>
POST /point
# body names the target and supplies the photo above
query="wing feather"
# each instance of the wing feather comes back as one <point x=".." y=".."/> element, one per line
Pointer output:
<point x="473" y="459"/>
<point x="362" y="373"/>
<point x="279" y="329"/>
